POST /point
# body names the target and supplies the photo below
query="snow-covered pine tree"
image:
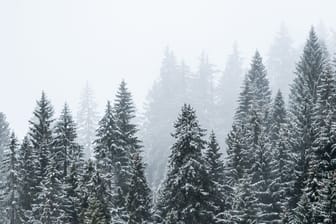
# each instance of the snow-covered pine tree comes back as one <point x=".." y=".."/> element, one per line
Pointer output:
<point x="259" y="168"/>
<point x="112" y="160"/>
<point x="87" y="120"/>
<point x="139" y="201"/>
<point x="69" y="163"/>
<point x="234" y="170"/>
<point x="215" y="167"/>
<point x="48" y="207"/>
<point x="185" y="194"/>
<point x="321" y="166"/>
<point x="244" y="205"/>
<point x="28" y="173"/>
<point x="128" y="142"/>
<point x="248" y="146"/>
<point x="84" y="188"/>
<point x="98" y="209"/>
<point x="282" y="160"/>
<point x="303" y="96"/>
<point x="11" y="210"/>
<point x="40" y="134"/>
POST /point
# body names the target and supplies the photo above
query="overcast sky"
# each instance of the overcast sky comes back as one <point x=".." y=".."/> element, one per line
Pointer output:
<point x="59" y="45"/>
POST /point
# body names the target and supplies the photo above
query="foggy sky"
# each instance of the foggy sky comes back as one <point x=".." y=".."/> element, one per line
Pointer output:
<point x="59" y="45"/>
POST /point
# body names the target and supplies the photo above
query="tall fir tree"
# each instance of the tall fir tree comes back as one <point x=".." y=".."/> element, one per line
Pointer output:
<point x="127" y="131"/>
<point x="282" y="160"/>
<point x="185" y="197"/>
<point x="40" y="133"/>
<point x="69" y="163"/>
<point x="215" y="167"/>
<point x="139" y="201"/>
<point x="11" y="210"/>
<point x="28" y="176"/>
<point x="98" y="209"/>
<point x="112" y="159"/>
<point x="320" y="172"/>
<point x="249" y="156"/>
<point x="303" y="96"/>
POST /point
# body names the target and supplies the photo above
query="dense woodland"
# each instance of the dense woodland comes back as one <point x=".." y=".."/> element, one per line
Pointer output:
<point x="278" y="165"/>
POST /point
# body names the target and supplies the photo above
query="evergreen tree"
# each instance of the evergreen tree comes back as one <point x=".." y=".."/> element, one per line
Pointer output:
<point x="40" y="133"/>
<point x="302" y="99"/>
<point x="282" y="159"/>
<point x="112" y="159"/>
<point x="139" y="201"/>
<point x="216" y="182"/>
<point x="69" y="162"/>
<point x="28" y="174"/>
<point x="50" y="205"/>
<point x="321" y="168"/>
<point x="12" y="212"/>
<point x="255" y="91"/>
<point x="235" y="167"/>
<point x="185" y="194"/>
<point x="85" y="189"/>
<point x="128" y="141"/>
<point x="87" y="120"/>
<point x="249" y="155"/>
<point x="98" y="202"/>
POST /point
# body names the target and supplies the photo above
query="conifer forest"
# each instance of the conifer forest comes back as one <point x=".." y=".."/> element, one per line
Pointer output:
<point x="253" y="143"/>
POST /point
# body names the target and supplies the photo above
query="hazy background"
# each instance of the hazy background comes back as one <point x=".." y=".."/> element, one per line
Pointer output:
<point x="59" y="45"/>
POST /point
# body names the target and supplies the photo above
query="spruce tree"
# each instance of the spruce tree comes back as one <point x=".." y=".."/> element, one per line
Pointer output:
<point x="98" y="209"/>
<point x="185" y="197"/>
<point x="11" y="212"/>
<point x="112" y="159"/>
<point x="50" y="205"/>
<point x="320" y="172"/>
<point x="28" y="173"/>
<point x="69" y="163"/>
<point x="215" y="167"/>
<point x="128" y="142"/>
<point x="303" y="96"/>
<point x="249" y="153"/>
<point x="282" y="163"/>
<point x="85" y="189"/>
<point x="139" y="201"/>
<point x="40" y="133"/>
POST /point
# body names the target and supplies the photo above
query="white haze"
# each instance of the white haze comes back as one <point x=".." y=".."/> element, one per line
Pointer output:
<point x="59" y="45"/>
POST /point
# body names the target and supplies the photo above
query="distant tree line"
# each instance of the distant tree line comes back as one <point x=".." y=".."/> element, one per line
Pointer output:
<point x="279" y="165"/>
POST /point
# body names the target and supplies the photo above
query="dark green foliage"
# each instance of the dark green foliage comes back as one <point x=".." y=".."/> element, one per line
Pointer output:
<point x="139" y="201"/>
<point x="185" y="197"/>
